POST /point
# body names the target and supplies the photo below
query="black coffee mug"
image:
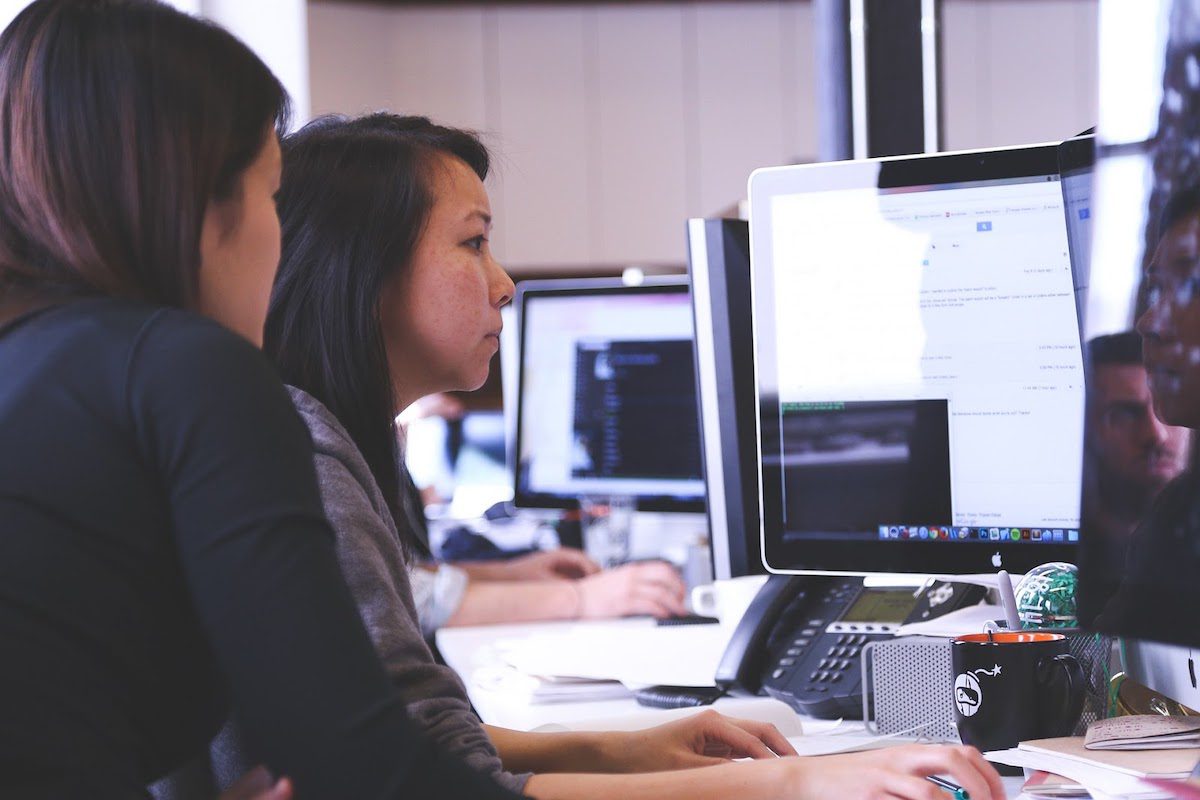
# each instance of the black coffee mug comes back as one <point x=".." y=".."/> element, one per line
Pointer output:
<point x="1010" y="687"/>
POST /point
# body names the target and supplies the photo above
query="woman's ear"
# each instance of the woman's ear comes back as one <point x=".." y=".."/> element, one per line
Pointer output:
<point x="220" y="222"/>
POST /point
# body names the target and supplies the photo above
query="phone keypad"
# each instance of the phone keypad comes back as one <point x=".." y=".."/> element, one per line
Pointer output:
<point x="831" y="668"/>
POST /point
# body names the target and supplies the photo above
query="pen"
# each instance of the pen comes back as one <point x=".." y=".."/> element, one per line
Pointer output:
<point x="953" y="788"/>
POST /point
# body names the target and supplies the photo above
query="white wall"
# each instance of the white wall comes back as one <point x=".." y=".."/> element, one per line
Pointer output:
<point x="9" y="9"/>
<point x="275" y="29"/>
<point x="612" y="122"/>
<point x="1018" y="71"/>
<point x="615" y="122"/>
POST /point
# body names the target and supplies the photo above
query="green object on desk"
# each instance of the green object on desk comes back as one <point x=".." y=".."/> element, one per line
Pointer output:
<point x="1046" y="596"/>
<point x="953" y="788"/>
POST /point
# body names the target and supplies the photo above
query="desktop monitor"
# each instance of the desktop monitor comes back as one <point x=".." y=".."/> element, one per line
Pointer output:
<point x="607" y="395"/>
<point x="920" y="378"/>
<point x="719" y="268"/>
<point x="1075" y="159"/>
<point x="1142" y="579"/>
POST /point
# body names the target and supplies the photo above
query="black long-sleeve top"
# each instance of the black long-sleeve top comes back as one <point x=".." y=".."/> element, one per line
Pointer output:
<point x="163" y="555"/>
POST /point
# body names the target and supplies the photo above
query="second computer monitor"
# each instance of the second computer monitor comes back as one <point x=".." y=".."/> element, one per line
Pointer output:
<point x="719" y="267"/>
<point x="607" y="395"/>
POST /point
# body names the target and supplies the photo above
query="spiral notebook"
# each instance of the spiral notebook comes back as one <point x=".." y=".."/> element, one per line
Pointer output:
<point x="1143" y="732"/>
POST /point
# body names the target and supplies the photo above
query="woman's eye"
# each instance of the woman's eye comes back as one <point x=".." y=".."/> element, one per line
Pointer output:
<point x="476" y="243"/>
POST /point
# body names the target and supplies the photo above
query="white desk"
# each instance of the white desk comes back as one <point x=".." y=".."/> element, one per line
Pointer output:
<point x="466" y="649"/>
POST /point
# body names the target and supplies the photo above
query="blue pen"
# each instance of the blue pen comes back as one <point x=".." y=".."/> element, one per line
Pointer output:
<point x="953" y="788"/>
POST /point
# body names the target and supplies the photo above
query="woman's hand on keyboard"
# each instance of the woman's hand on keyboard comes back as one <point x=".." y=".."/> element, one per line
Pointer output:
<point x="897" y="772"/>
<point x="647" y="587"/>
<point x="698" y="740"/>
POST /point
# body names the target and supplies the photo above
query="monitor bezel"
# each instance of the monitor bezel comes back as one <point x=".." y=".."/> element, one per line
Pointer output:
<point x="1078" y="154"/>
<point x="574" y="287"/>
<point x="1076" y="157"/>
<point x="857" y="557"/>
<point x="719" y="268"/>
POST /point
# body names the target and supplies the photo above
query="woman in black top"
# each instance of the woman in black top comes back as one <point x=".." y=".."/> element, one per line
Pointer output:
<point x="163" y="552"/>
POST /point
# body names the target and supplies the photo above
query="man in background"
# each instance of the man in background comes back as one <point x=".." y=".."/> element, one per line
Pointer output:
<point x="1130" y="454"/>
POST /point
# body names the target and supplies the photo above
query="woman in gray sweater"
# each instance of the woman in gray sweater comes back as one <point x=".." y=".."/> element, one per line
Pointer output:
<point x="387" y="291"/>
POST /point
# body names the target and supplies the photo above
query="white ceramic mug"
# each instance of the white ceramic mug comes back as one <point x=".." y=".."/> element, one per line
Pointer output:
<point x="727" y="600"/>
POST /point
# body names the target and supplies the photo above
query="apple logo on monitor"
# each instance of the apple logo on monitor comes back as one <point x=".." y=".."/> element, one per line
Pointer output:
<point x="997" y="561"/>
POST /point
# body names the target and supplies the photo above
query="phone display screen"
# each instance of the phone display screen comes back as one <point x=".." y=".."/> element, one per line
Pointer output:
<point x="881" y="605"/>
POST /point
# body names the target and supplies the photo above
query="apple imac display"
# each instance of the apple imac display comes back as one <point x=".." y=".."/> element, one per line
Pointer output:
<point x="920" y="376"/>
<point x="719" y="269"/>
<point x="1140" y="571"/>
<point x="607" y="395"/>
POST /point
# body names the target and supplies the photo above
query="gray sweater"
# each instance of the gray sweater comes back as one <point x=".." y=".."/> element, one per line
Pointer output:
<point x="376" y="568"/>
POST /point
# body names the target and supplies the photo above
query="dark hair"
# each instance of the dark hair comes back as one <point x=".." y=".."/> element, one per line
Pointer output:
<point x="1182" y="203"/>
<point x="1115" y="349"/>
<point x="355" y="197"/>
<point x="120" y="121"/>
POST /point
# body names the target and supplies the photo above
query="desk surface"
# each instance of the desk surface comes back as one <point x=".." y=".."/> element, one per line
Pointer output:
<point x="467" y="649"/>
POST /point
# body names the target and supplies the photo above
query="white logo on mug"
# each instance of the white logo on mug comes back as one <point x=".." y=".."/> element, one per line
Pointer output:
<point x="967" y="694"/>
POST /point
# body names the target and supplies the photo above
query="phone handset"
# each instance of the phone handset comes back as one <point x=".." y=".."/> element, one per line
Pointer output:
<point x="741" y="667"/>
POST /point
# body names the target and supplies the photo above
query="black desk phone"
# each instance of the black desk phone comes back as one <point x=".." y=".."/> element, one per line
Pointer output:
<point x="801" y="639"/>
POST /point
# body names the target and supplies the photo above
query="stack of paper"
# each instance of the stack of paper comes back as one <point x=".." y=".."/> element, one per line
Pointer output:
<point x="852" y="740"/>
<point x="1170" y="763"/>
<point x="1047" y="784"/>
<point x="1143" y="732"/>
<point x="636" y="656"/>
<point x="1105" y="773"/>
<point x="546" y="689"/>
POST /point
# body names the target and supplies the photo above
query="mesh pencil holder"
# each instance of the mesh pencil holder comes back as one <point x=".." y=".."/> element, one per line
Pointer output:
<point x="1095" y="654"/>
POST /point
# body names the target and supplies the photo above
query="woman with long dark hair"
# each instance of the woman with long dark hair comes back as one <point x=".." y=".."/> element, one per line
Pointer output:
<point x="387" y="292"/>
<point x="163" y="551"/>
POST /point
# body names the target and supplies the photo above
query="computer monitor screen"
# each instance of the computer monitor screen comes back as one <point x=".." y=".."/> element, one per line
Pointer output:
<point x="607" y="395"/>
<point x="1140" y="567"/>
<point x="719" y="268"/>
<point x="919" y="363"/>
